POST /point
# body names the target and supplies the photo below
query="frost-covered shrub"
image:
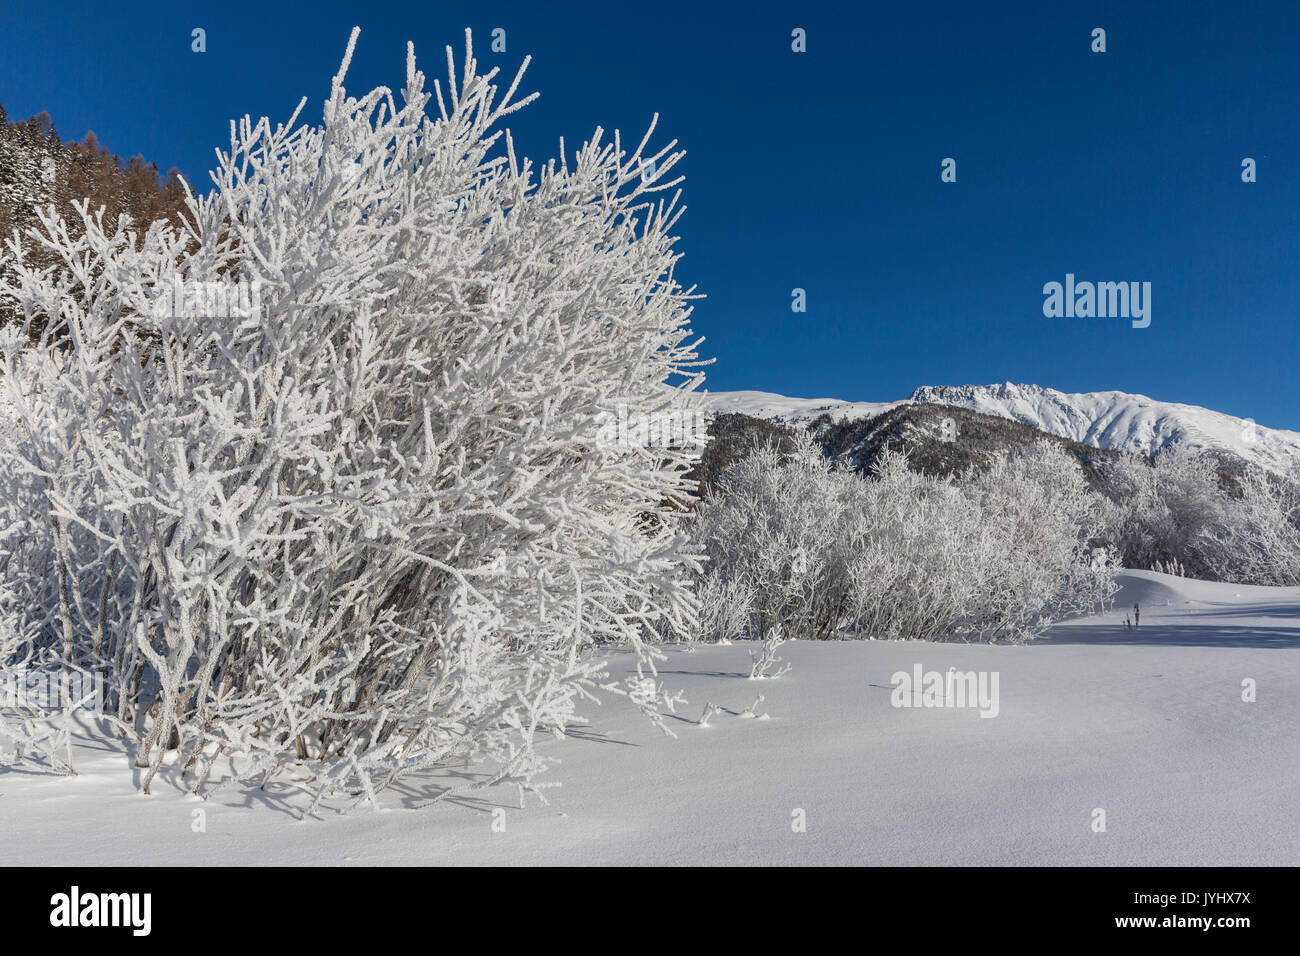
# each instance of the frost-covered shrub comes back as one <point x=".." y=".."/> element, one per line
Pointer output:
<point x="1161" y="509"/>
<point x="1178" y="513"/>
<point x="1258" y="540"/>
<point x="319" y="482"/>
<point x="915" y="557"/>
<point x="1038" y="518"/>
<point x="819" y="551"/>
<point x="773" y="536"/>
<point x="726" y="607"/>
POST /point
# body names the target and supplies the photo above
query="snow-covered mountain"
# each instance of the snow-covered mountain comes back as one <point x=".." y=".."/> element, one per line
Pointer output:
<point x="771" y="405"/>
<point x="1113" y="420"/>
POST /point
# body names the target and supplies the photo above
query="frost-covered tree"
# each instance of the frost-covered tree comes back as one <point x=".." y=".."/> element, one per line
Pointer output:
<point x="1195" y="514"/>
<point x="800" y="547"/>
<point x="1258" y="539"/>
<point x="1038" y="519"/>
<point x="319" y="480"/>
<point x="774" y="546"/>
<point x="1162" y="507"/>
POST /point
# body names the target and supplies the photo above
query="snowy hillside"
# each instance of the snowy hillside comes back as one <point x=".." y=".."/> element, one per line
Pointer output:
<point x="771" y="405"/>
<point x="27" y="165"/>
<point x="1113" y="420"/>
<point x="1147" y="725"/>
<point x="29" y="162"/>
<point x="1122" y="421"/>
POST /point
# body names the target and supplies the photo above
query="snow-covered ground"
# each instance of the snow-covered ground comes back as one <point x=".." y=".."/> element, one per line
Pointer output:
<point x="1115" y="420"/>
<point x="1148" y="725"/>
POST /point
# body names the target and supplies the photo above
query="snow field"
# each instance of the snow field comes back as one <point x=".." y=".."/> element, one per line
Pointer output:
<point x="1147" y="725"/>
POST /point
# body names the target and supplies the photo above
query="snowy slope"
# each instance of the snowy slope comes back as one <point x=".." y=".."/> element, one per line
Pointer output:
<point x="28" y="166"/>
<point x="1148" y="725"/>
<point x="1122" y="421"/>
<point x="771" y="405"/>
<point x="1114" y="420"/>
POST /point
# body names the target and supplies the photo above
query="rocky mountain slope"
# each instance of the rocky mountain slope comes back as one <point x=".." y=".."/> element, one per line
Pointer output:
<point x="1113" y="421"/>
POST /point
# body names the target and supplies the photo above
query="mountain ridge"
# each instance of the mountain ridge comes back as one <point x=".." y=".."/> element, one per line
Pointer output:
<point x="1108" y="420"/>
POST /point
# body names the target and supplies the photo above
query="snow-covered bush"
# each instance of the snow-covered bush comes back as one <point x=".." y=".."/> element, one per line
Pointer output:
<point x="1161" y="509"/>
<point x="726" y="606"/>
<point x="1177" y="513"/>
<point x="819" y="551"/>
<point x="763" y="663"/>
<point x="776" y="546"/>
<point x="319" y="482"/>
<point x="915" y="556"/>
<point x="1258" y="540"/>
<point x="1038" y="518"/>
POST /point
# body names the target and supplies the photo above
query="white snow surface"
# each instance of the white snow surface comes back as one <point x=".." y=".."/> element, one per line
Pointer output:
<point x="1115" y="420"/>
<point x="1148" y="725"/>
<point x="772" y="405"/>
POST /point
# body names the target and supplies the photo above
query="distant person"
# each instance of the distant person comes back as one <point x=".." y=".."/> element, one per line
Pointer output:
<point x="1137" y="615"/>
<point x="1128" y="625"/>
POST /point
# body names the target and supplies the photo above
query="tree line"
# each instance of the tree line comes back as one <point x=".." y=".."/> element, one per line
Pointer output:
<point x="39" y="169"/>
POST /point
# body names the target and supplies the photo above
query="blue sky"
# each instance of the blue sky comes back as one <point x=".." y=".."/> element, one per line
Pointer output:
<point x="821" y="170"/>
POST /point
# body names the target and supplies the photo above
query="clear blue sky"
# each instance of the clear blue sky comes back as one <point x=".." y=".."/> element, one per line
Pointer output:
<point x="821" y="170"/>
